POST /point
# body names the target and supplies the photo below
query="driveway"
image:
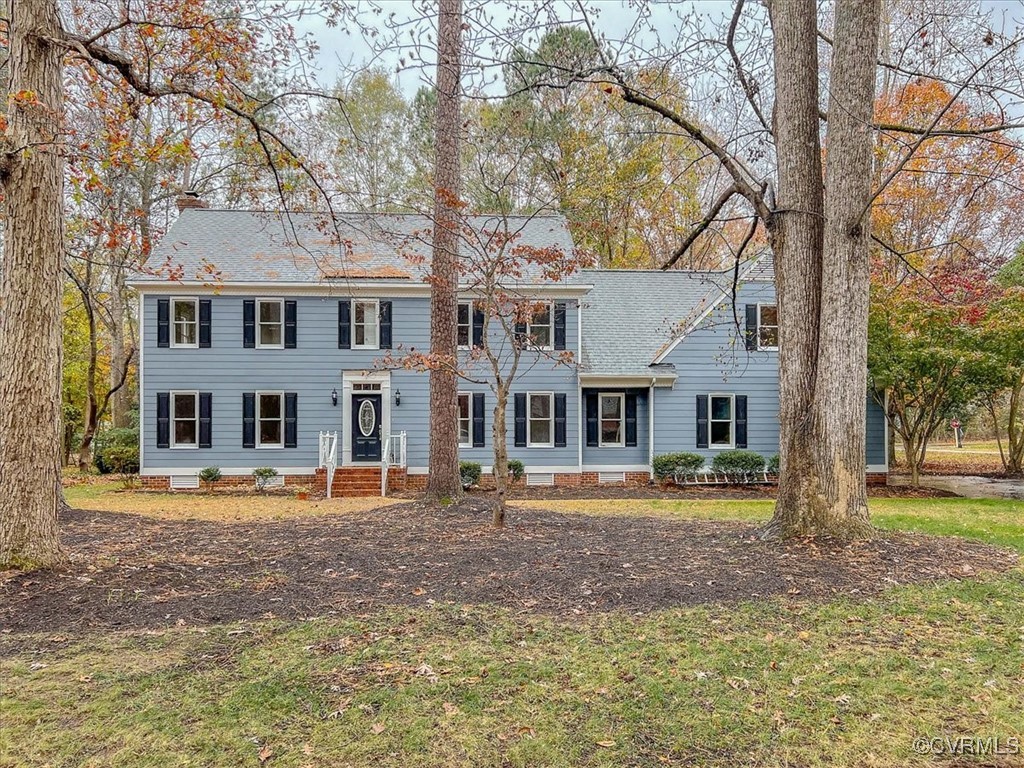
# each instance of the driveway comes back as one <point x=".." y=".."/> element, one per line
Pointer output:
<point x="969" y="486"/>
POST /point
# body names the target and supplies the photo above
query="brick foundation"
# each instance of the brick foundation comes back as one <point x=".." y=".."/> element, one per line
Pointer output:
<point x="877" y="478"/>
<point x="163" y="482"/>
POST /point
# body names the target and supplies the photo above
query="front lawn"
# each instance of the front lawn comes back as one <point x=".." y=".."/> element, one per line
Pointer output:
<point x="453" y="662"/>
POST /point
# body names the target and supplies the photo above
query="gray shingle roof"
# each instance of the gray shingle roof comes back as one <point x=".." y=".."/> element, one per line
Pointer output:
<point x="208" y="245"/>
<point x="631" y="315"/>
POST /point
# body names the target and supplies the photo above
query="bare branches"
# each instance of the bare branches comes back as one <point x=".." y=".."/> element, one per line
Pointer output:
<point x="748" y="87"/>
<point x="706" y="222"/>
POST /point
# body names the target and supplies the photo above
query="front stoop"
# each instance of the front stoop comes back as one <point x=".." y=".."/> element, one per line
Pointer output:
<point x="359" y="481"/>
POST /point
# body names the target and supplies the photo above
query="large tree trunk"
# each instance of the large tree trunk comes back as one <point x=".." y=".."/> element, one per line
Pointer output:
<point x="444" y="480"/>
<point x="31" y="179"/>
<point x="821" y="242"/>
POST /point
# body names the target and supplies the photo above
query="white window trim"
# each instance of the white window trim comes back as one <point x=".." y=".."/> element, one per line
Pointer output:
<point x="469" y="397"/>
<point x="550" y="326"/>
<point x="195" y="397"/>
<point x="260" y="444"/>
<point x="469" y="335"/>
<point x="195" y="303"/>
<point x="259" y="325"/>
<point x="551" y="420"/>
<point x="758" y="329"/>
<point x="732" y="422"/>
<point x="376" y="323"/>
<point x="622" y="420"/>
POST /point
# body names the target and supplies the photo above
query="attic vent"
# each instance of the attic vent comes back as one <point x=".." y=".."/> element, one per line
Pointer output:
<point x="184" y="482"/>
<point x="611" y="477"/>
<point x="540" y="478"/>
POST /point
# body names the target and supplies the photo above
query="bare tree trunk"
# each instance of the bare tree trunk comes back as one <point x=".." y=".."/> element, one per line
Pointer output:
<point x="823" y="349"/>
<point x="444" y="480"/>
<point x="31" y="179"/>
<point x="499" y="436"/>
<point x="120" y="402"/>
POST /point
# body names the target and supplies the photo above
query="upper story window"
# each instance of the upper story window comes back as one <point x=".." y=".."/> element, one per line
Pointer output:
<point x="465" y="420"/>
<point x="365" y="326"/>
<point x="270" y="323"/>
<point x="185" y="318"/>
<point x="539" y="329"/>
<point x="541" y="422"/>
<point x="767" y="326"/>
<point x="184" y="420"/>
<point x="269" y="420"/>
<point x="612" y="412"/>
<point x="722" y="420"/>
<point x="465" y="324"/>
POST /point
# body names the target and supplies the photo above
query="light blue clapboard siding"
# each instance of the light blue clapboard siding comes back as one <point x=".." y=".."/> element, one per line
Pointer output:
<point x="312" y="370"/>
<point x="624" y="456"/>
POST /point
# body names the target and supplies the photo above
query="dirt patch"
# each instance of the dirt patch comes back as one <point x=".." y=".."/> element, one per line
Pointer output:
<point x="134" y="572"/>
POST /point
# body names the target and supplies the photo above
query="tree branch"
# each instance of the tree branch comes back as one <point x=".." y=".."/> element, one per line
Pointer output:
<point x="702" y="226"/>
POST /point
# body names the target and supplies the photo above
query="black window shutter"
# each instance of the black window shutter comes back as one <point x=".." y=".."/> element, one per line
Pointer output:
<point x="751" y="335"/>
<point x="205" y="318"/>
<point x="741" y="421"/>
<point x="560" y="312"/>
<point x="630" y="420"/>
<point x="702" y="421"/>
<point x="163" y="322"/>
<point x="291" y="419"/>
<point x="478" y="326"/>
<point x="560" y="420"/>
<point x="205" y="420"/>
<point x="249" y="323"/>
<point x="163" y="419"/>
<point x="478" y="419"/>
<point x="385" y="325"/>
<point x="248" y="419"/>
<point x="344" y="324"/>
<point x="290" y="324"/>
<point x="520" y="411"/>
<point x="592" y="420"/>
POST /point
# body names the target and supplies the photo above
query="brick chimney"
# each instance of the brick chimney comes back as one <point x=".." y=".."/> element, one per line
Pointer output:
<point x="190" y="199"/>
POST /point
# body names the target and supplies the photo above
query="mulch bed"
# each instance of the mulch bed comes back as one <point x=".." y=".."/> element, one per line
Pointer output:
<point x="135" y="572"/>
<point x="693" y="492"/>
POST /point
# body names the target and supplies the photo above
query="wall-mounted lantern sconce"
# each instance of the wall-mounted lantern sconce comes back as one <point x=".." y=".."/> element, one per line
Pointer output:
<point x="398" y="397"/>
<point x="334" y="397"/>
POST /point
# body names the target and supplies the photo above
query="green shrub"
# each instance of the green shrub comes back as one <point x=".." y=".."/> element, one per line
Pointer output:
<point x="210" y="475"/>
<point x="123" y="460"/>
<point x="262" y="476"/>
<point x="667" y="464"/>
<point x="113" y="438"/>
<point x="470" y="472"/>
<point x="773" y="465"/>
<point x="738" y="462"/>
<point x="516" y="469"/>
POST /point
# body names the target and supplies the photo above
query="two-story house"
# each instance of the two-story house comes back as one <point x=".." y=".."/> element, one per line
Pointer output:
<point x="259" y="332"/>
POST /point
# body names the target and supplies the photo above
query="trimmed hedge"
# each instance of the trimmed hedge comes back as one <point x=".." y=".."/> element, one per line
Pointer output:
<point x="470" y="472"/>
<point x="667" y="464"/>
<point x="114" y="440"/>
<point x="773" y="465"/>
<point x="738" y="462"/>
<point x="516" y="469"/>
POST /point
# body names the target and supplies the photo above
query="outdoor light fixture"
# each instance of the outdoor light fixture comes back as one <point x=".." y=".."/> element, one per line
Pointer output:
<point x="398" y="397"/>
<point x="334" y="397"/>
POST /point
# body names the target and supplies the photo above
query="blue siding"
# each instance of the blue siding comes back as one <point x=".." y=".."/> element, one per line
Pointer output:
<point x="633" y="455"/>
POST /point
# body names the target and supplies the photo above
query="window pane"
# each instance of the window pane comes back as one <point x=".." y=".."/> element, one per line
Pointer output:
<point x="270" y="406"/>
<point x="184" y="406"/>
<point x="611" y="407"/>
<point x="540" y="431"/>
<point x="360" y="340"/>
<point x="270" y="334"/>
<point x="463" y="314"/>
<point x="721" y="408"/>
<point x="270" y="431"/>
<point x="270" y="312"/>
<point x="543" y="315"/>
<point x="540" y="406"/>
<point x="464" y="325"/>
<point x="721" y="432"/>
<point x="769" y="315"/>
<point x="184" y="311"/>
<point x="185" y="432"/>
<point x="768" y="337"/>
<point x="184" y="333"/>
<point x="541" y="335"/>
<point x="464" y="406"/>
<point x="611" y="431"/>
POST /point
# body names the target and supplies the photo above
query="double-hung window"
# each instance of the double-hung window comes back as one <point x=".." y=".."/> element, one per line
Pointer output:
<point x="365" y="325"/>
<point x="185" y="318"/>
<point x="184" y="419"/>
<point x="541" y="420"/>
<point x="465" y="420"/>
<point x="722" y="420"/>
<point x="767" y="326"/>
<point x="270" y="323"/>
<point x="269" y="420"/>
<point x="465" y="324"/>
<point x="539" y="329"/>
<point x="612" y="418"/>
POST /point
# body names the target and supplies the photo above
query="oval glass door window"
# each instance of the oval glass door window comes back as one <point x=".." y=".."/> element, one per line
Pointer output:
<point x="367" y="417"/>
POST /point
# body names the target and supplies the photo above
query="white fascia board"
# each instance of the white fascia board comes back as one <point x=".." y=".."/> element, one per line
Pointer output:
<point x="341" y="290"/>
<point x="590" y="380"/>
<point x="552" y="290"/>
<point x="616" y="468"/>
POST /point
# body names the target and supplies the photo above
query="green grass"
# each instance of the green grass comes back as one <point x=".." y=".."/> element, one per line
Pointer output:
<point x="772" y="683"/>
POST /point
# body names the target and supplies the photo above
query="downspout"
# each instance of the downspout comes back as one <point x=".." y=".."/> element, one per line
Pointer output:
<point x="650" y="429"/>
<point x="580" y="428"/>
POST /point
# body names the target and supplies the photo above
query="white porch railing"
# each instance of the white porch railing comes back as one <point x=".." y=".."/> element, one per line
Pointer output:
<point x="393" y="455"/>
<point x="329" y="456"/>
